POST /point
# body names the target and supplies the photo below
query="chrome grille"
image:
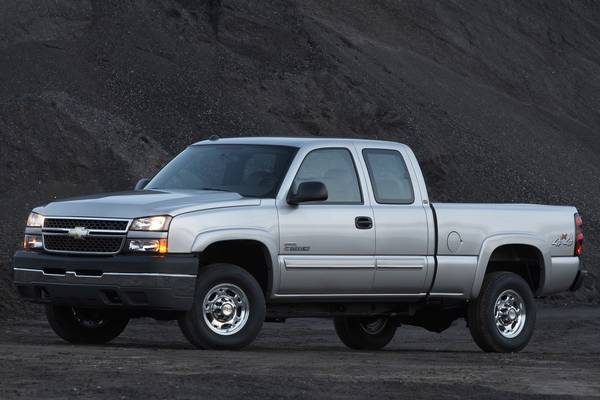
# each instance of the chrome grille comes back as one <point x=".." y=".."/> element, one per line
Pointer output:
<point x="90" y="244"/>
<point x="91" y="224"/>
<point x="100" y="236"/>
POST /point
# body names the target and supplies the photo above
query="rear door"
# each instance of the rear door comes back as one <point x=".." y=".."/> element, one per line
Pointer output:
<point x="401" y="235"/>
<point x="327" y="248"/>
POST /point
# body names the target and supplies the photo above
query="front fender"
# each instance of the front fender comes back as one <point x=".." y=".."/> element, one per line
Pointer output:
<point x="207" y="237"/>
<point x="493" y="242"/>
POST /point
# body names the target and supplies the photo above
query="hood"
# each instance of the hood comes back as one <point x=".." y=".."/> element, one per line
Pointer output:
<point x="144" y="203"/>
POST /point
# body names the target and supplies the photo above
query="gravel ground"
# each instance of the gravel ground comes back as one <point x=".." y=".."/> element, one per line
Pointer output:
<point x="304" y="359"/>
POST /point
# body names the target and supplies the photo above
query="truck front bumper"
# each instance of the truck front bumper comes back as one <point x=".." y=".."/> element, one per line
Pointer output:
<point x="122" y="281"/>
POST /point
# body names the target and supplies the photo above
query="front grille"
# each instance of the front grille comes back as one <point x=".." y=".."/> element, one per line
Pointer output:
<point x="90" y="224"/>
<point x="90" y="244"/>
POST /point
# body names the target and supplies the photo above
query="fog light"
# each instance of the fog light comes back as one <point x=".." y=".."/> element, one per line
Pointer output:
<point x="149" y="245"/>
<point x="33" y="242"/>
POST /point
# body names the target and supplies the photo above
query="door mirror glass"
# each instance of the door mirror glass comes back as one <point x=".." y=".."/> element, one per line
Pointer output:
<point x="141" y="184"/>
<point x="308" y="191"/>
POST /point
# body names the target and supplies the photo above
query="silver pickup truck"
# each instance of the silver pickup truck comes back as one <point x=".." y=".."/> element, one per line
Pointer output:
<point x="235" y="232"/>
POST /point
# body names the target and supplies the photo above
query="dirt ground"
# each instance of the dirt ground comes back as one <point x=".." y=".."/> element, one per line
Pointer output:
<point x="304" y="359"/>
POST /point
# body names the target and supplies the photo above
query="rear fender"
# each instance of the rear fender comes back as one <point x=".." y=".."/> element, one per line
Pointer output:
<point x="493" y="242"/>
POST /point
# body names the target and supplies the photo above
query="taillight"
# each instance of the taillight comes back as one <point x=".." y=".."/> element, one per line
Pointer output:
<point x="578" y="235"/>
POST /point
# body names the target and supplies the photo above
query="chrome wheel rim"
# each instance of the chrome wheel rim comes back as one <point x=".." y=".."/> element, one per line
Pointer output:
<point x="510" y="314"/>
<point x="373" y="326"/>
<point x="225" y="309"/>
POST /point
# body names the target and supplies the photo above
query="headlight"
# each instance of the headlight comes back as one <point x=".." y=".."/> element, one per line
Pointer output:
<point x="159" y="223"/>
<point x="149" y="245"/>
<point x="35" y="220"/>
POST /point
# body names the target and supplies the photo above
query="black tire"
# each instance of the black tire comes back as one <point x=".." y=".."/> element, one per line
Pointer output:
<point x="80" y="326"/>
<point x="482" y="320"/>
<point x="221" y="283"/>
<point x="365" y="333"/>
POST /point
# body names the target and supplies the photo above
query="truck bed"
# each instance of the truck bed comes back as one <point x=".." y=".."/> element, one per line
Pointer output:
<point x="466" y="230"/>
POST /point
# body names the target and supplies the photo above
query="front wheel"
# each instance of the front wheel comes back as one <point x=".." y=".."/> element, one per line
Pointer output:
<point x="229" y="309"/>
<point x="81" y="326"/>
<point x="502" y="318"/>
<point x="365" y="333"/>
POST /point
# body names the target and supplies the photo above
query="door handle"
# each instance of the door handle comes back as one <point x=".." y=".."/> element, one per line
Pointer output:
<point x="363" y="222"/>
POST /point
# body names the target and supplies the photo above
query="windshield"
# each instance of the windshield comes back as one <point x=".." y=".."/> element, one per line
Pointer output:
<point x="250" y="170"/>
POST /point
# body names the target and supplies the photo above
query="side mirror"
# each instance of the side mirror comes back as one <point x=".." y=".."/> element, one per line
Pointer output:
<point x="141" y="184"/>
<point x="308" y="191"/>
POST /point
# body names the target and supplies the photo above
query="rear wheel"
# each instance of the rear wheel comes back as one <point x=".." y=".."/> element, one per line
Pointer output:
<point x="229" y="309"/>
<point x="84" y="326"/>
<point x="502" y="318"/>
<point x="365" y="333"/>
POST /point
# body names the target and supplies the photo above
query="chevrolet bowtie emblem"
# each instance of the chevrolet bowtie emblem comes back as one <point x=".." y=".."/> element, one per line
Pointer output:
<point x="79" y="232"/>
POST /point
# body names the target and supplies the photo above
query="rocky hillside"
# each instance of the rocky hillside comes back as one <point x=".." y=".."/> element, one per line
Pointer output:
<point x="499" y="99"/>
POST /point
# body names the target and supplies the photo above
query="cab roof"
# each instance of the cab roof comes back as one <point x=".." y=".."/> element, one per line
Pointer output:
<point x="295" y="141"/>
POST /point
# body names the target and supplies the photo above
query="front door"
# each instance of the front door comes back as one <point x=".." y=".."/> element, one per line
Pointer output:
<point x="327" y="247"/>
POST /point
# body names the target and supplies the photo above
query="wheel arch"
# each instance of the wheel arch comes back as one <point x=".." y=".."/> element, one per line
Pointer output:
<point x="523" y="245"/>
<point x="251" y="249"/>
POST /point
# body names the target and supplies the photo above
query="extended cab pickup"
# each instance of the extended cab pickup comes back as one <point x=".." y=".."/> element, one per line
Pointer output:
<point x="235" y="232"/>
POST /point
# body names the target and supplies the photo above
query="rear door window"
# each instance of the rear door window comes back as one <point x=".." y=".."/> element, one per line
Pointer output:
<point x="389" y="176"/>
